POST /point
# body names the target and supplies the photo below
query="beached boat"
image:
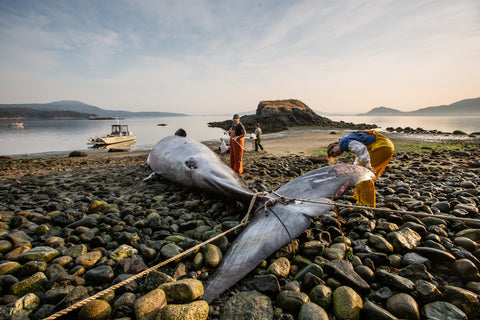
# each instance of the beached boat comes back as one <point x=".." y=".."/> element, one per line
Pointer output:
<point x="16" y="124"/>
<point x="119" y="134"/>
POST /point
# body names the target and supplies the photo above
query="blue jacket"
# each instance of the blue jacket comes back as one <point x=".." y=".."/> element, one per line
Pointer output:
<point x="362" y="137"/>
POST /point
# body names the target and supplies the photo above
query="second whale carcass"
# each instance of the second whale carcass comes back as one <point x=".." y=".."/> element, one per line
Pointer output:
<point x="192" y="164"/>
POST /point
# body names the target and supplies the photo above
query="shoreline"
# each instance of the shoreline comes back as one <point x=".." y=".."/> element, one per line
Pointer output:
<point x="301" y="140"/>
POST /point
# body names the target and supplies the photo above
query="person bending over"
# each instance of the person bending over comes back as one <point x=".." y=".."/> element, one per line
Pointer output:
<point x="373" y="151"/>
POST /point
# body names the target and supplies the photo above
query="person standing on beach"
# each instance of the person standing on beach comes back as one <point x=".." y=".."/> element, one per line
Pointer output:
<point x="373" y="151"/>
<point x="237" y="144"/>
<point x="258" y="139"/>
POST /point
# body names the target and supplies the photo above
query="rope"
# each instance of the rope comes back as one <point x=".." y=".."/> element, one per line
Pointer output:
<point x="467" y="221"/>
<point x="77" y="305"/>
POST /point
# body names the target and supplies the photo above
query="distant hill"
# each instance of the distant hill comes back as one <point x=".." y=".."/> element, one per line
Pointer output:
<point x="27" y="113"/>
<point x="466" y="107"/>
<point x="80" y="107"/>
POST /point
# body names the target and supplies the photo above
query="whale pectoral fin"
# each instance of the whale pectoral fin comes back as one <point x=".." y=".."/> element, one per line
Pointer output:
<point x="150" y="177"/>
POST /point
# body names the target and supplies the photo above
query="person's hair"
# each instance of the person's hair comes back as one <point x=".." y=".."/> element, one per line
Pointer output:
<point x="257" y="124"/>
<point x="180" y="132"/>
<point x="330" y="148"/>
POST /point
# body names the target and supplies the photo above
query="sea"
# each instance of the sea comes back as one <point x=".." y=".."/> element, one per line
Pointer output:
<point x="60" y="136"/>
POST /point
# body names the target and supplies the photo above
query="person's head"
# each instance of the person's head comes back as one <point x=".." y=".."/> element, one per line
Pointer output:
<point x="236" y="117"/>
<point x="257" y="125"/>
<point x="180" y="132"/>
<point x="333" y="150"/>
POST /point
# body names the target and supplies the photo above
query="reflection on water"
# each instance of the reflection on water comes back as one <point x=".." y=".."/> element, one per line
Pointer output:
<point x="44" y="136"/>
<point x="129" y="145"/>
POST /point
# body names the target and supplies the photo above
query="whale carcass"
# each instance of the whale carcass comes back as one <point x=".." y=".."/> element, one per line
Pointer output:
<point x="191" y="163"/>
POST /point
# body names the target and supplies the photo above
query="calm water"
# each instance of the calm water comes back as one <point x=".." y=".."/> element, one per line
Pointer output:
<point x="67" y="135"/>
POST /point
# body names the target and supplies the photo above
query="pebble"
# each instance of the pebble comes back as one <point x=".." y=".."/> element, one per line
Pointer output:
<point x="67" y="234"/>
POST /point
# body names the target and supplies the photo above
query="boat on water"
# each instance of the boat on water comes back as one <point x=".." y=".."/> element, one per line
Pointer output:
<point x="119" y="134"/>
<point x="16" y="124"/>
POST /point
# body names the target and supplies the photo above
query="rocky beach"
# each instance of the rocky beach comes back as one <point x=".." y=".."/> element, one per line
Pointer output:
<point x="71" y="227"/>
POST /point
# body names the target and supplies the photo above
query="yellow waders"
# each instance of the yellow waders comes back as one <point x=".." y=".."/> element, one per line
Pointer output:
<point x="381" y="152"/>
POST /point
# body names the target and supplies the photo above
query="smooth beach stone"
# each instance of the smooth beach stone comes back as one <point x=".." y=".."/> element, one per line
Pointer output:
<point x="394" y="281"/>
<point x="24" y="306"/>
<point x="95" y="310"/>
<point x="403" y="306"/>
<point x="366" y="273"/>
<point x="62" y="260"/>
<point x="436" y="255"/>
<point x="149" y="305"/>
<point x="312" y="268"/>
<point x="127" y="299"/>
<point x="212" y="255"/>
<point x="473" y="286"/>
<point x="291" y="301"/>
<point x="466" y="243"/>
<point x="414" y="258"/>
<point x="335" y="251"/>
<point x="443" y="206"/>
<point x="37" y="282"/>
<point x="372" y="311"/>
<point x="248" y="305"/>
<point x="39" y="254"/>
<point x="321" y="295"/>
<point x="56" y="294"/>
<point x="466" y="270"/>
<point x="32" y="267"/>
<point x="267" y="283"/>
<point x="292" y="285"/>
<point x="347" y="304"/>
<point x="196" y="310"/>
<point x="473" y="234"/>
<point x="182" y="291"/>
<point x="280" y="267"/>
<point x="9" y="267"/>
<point x="416" y="271"/>
<point x="404" y="240"/>
<point x="170" y="250"/>
<point x="311" y="311"/>
<point x="76" y="251"/>
<point x="441" y="310"/>
<point x="312" y="248"/>
<point x="5" y="246"/>
<point x="100" y="274"/>
<point x="427" y="291"/>
<point x="343" y="271"/>
<point x="98" y="206"/>
<point x="122" y="252"/>
<point x="88" y="259"/>
<point x="380" y="243"/>
<point x="462" y="298"/>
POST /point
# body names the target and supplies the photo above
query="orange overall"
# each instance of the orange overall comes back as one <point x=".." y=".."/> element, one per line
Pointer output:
<point x="381" y="152"/>
<point x="236" y="152"/>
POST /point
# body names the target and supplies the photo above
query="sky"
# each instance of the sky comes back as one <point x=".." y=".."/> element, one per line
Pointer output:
<point x="225" y="56"/>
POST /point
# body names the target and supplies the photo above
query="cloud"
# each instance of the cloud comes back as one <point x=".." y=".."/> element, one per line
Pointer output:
<point x="208" y="55"/>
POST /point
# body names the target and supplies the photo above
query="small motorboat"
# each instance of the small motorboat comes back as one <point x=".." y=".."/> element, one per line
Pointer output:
<point x="119" y="134"/>
<point x="15" y="124"/>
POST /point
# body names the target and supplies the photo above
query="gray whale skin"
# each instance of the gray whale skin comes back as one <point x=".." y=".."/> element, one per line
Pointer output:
<point x="191" y="163"/>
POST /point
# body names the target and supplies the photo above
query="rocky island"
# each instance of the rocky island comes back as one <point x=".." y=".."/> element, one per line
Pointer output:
<point x="279" y="115"/>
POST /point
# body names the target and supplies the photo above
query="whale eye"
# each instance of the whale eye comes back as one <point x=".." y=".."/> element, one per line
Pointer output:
<point x="191" y="164"/>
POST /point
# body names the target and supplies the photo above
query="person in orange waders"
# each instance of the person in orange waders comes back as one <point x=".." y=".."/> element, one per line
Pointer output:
<point x="373" y="151"/>
<point x="237" y="144"/>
